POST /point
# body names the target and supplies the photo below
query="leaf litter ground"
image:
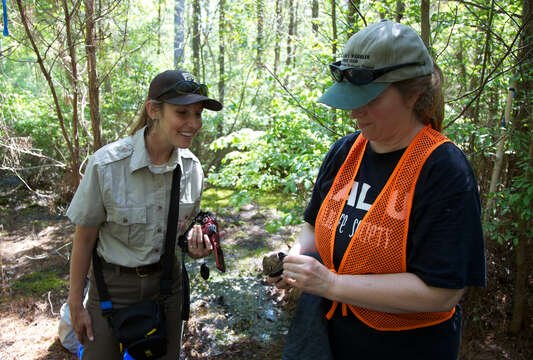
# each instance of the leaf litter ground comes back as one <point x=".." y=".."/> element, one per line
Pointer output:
<point x="235" y="315"/>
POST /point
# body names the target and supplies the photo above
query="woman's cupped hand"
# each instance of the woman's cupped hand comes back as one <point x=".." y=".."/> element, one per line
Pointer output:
<point x="308" y="274"/>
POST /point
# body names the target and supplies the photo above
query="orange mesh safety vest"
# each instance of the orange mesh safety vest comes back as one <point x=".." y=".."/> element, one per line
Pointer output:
<point x="379" y="244"/>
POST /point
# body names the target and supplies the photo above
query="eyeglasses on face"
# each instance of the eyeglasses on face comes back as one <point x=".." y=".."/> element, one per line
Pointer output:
<point x="185" y="87"/>
<point x="362" y="76"/>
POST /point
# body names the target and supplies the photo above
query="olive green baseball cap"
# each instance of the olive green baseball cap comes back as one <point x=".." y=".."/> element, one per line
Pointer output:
<point x="384" y="44"/>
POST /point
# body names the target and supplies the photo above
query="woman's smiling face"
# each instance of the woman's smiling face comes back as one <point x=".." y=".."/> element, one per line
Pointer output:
<point x="178" y="124"/>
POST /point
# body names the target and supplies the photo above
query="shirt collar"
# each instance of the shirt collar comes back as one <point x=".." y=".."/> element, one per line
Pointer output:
<point x="140" y="157"/>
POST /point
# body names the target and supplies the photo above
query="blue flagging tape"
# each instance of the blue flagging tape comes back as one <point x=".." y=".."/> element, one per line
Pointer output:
<point x="4" y="6"/>
<point x="106" y="305"/>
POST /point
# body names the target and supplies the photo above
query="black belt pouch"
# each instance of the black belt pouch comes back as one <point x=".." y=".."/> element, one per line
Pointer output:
<point x="141" y="329"/>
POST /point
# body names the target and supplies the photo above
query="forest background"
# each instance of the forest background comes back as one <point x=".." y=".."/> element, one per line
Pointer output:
<point x="74" y="74"/>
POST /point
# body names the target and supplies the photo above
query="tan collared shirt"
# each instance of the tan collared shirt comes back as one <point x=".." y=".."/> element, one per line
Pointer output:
<point x="128" y="198"/>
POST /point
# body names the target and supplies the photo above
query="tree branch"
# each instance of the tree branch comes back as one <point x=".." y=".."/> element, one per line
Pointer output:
<point x="486" y="80"/>
<point x="46" y="75"/>
<point x="358" y="12"/>
<point x="308" y="112"/>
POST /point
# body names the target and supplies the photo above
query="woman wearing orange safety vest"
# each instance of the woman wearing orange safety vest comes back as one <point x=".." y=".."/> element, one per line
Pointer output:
<point x="394" y="219"/>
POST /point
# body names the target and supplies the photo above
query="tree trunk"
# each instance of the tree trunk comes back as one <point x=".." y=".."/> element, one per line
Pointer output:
<point x="473" y="84"/>
<point x="201" y="73"/>
<point x="277" y="46"/>
<point x="334" y="48"/>
<point x="486" y="57"/>
<point x="74" y="162"/>
<point x="524" y="248"/>
<point x="334" y="28"/>
<point x="159" y="27"/>
<point x="75" y="94"/>
<point x="462" y="68"/>
<point x="178" y="32"/>
<point x="102" y="54"/>
<point x="498" y="162"/>
<point x="46" y="75"/>
<point x="424" y="23"/>
<point x="94" y="88"/>
<point x="260" y="6"/>
<point x="353" y="5"/>
<point x="522" y="253"/>
<point x="196" y="37"/>
<point x="383" y="15"/>
<point x="400" y="8"/>
<point x="221" y="64"/>
<point x="291" y="33"/>
<point x="314" y="17"/>
<point x="296" y="22"/>
<point x="1" y="59"/>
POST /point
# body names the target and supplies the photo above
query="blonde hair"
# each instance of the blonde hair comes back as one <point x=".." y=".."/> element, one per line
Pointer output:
<point x="429" y="107"/>
<point x="143" y="119"/>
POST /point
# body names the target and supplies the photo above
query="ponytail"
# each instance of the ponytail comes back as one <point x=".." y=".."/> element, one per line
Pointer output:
<point x="429" y="107"/>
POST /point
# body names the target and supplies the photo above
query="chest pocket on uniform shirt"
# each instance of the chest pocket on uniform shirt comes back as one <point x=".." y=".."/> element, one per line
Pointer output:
<point x="127" y="224"/>
<point x="186" y="216"/>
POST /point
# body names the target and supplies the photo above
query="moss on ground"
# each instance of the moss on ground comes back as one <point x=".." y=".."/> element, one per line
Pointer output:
<point x="219" y="198"/>
<point x="38" y="283"/>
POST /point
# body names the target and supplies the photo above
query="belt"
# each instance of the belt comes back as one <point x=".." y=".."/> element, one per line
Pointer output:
<point x="141" y="271"/>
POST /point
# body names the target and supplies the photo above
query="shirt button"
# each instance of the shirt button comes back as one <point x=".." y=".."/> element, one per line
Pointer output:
<point x="159" y="208"/>
<point x="159" y="230"/>
<point x="156" y="250"/>
<point x="125" y="221"/>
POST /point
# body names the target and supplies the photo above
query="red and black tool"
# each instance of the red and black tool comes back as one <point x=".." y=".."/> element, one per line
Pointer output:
<point x="209" y="226"/>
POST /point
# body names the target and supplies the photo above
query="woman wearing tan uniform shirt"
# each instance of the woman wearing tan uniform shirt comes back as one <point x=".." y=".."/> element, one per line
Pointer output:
<point x="123" y="200"/>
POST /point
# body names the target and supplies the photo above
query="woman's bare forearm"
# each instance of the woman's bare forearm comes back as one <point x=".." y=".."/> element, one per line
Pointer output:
<point x="80" y="260"/>
<point x="393" y="293"/>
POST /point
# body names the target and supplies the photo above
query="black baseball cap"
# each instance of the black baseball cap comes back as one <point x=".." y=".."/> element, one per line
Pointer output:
<point x="180" y="88"/>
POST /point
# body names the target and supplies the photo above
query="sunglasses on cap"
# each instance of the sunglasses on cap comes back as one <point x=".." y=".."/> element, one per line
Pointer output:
<point x="362" y="76"/>
<point x="185" y="87"/>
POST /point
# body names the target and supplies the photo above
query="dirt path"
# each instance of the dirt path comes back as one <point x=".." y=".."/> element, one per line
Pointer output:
<point x="33" y="246"/>
<point x="233" y="315"/>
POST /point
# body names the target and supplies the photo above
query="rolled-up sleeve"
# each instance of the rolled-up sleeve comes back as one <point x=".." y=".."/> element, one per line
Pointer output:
<point x="87" y="207"/>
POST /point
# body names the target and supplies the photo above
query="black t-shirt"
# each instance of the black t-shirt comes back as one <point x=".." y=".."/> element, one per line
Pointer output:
<point x="445" y="245"/>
